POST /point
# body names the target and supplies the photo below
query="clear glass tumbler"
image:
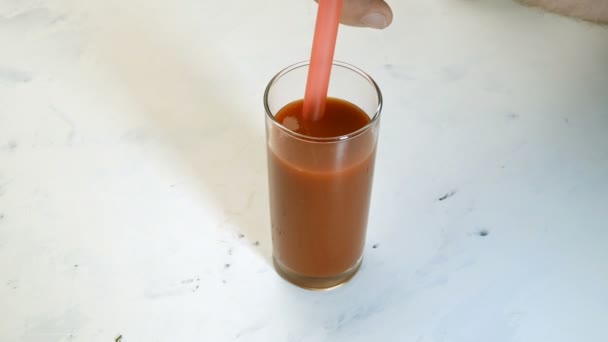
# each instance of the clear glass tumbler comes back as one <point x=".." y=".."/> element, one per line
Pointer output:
<point x="320" y="188"/>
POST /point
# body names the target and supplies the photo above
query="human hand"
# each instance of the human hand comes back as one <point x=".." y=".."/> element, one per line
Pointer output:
<point x="366" y="13"/>
<point x="378" y="14"/>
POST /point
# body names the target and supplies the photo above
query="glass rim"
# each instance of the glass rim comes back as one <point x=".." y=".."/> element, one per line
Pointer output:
<point x="375" y="117"/>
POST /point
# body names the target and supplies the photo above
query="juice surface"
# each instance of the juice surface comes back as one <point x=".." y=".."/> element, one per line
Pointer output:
<point x="319" y="218"/>
<point x="341" y="118"/>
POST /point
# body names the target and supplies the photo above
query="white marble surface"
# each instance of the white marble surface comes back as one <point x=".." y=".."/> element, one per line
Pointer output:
<point x="133" y="197"/>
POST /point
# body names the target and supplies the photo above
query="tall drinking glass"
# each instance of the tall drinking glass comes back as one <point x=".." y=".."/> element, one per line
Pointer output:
<point x="320" y="188"/>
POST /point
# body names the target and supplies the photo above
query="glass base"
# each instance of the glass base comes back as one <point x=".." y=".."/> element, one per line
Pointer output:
<point x="316" y="283"/>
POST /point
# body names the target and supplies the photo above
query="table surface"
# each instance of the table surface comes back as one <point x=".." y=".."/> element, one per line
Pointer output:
<point x="133" y="192"/>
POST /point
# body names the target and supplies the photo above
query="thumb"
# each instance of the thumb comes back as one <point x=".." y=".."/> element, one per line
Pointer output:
<point x="366" y="13"/>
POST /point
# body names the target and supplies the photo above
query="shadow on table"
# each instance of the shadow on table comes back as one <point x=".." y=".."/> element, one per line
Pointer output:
<point x="193" y="101"/>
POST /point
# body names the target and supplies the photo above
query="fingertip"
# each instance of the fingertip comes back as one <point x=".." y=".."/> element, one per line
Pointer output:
<point x="375" y="20"/>
<point x="375" y="14"/>
<point x="378" y="16"/>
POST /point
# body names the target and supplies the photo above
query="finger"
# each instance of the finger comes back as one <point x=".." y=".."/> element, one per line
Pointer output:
<point x="366" y="13"/>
